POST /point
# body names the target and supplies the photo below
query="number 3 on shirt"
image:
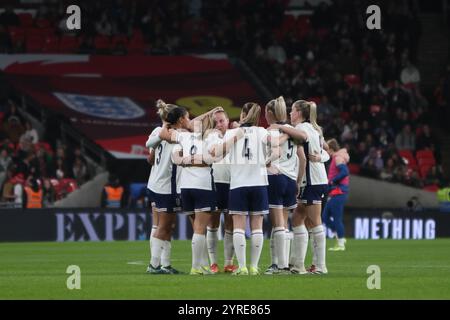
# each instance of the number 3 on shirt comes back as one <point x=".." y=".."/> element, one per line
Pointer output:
<point x="158" y="158"/>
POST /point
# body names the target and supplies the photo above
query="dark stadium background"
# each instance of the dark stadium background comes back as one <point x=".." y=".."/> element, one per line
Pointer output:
<point x="200" y="54"/>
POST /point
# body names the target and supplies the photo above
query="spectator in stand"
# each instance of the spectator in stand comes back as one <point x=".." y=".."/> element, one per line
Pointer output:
<point x="45" y="162"/>
<point x="410" y="74"/>
<point x="104" y="26"/>
<point x="49" y="193"/>
<point x="9" y="18"/>
<point x="13" y="123"/>
<point x="7" y="187"/>
<point x="360" y="152"/>
<point x="435" y="177"/>
<point x="30" y="133"/>
<point x="28" y="165"/>
<point x="413" y="180"/>
<point x="326" y="108"/>
<point x="375" y="158"/>
<point x="17" y="196"/>
<point x="86" y="45"/>
<point x="5" y="162"/>
<point x="400" y="174"/>
<point x="369" y="169"/>
<point x="61" y="170"/>
<point x="276" y="52"/>
<point x="397" y="97"/>
<point x="387" y="174"/>
<point x="80" y="171"/>
<point x="425" y="139"/>
<point x="406" y="140"/>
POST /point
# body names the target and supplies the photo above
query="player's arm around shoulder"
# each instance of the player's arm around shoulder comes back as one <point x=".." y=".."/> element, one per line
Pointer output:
<point x="221" y="148"/>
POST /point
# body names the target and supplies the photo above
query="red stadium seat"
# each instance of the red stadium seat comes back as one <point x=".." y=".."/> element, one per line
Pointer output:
<point x="317" y="100"/>
<point x="431" y="188"/>
<point x="102" y="42"/>
<point x="51" y="44"/>
<point x="354" y="168"/>
<point x="26" y="19"/>
<point x="345" y="115"/>
<point x="68" y="44"/>
<point x="406" y="154"/>
<point x="119" y="39"/>
<point x="137" y="34"/>
<point x="45" y="146"/>
<point x="34" y="43"/>
<point x="424" y="170"/>
<point x="322" y="33"/>
<point x="289" y="23"/>
<point x="303" y="27"/>
<point x="136" y="46"/>
<point x="422" y="154"/>
<point x="427" y="161"/>
<point x="39" y="32"/>
<point x="43" y="23"/>
<point x="352" y="79"/>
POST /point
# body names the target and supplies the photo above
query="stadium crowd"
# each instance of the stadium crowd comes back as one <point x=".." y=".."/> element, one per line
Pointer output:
<point x="26" y="161"/>
<point x="366" y="84"/>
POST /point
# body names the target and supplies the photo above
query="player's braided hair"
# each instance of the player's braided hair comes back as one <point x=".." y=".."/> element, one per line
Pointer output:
<point x="164" y="109"/>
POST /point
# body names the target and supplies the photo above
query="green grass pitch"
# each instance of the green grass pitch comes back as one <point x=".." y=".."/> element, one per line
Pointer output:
<point x="116" y="270"/>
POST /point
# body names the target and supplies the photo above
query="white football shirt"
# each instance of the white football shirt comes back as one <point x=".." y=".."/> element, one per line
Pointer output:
<point x="221" y="169"/>
<point x="316" y="173"/>
<point x="191" y="143"/>
<point x="287" y="164"/>
<point x="248" y="158"/>
<point x="162" y="177"/>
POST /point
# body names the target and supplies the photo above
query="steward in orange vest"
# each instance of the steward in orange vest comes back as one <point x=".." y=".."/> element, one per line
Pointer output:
<point x="33" y="196"/>
<point x="113" y="194"/>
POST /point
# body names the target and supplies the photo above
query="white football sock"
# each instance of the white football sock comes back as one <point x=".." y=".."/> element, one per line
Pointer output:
<point x="152" y="236"/>
<point x="301" y="245"/>
<point x="198" y="250"/>
<point x="212" y="238"/>
<point x="312" y="246"/>
<point x="293" y="254"/>
<point x="287" y="245"/>
<point x="320" y="244"/>
<point x="240" y="246"/>
<point x="228" y="248"/>
<point x="278" y="235"/>
<point x="273" y="253"/>
<point x="157" y="248"/>
<point x="257" y="241"/>
<point x="341" y="242"/>
<point x="165" y="255"/>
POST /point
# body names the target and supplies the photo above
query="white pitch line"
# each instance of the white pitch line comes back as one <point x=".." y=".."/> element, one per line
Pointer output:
<point x="140" y="263"/>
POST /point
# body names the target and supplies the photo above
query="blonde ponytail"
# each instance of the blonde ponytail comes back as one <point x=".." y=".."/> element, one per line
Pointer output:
<point x="280" y="109"/>
<point x="252" y="112"/>
<point x="313" y="117"/>
<point x="309" y="113"/>
<point x="207" y="125"/>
